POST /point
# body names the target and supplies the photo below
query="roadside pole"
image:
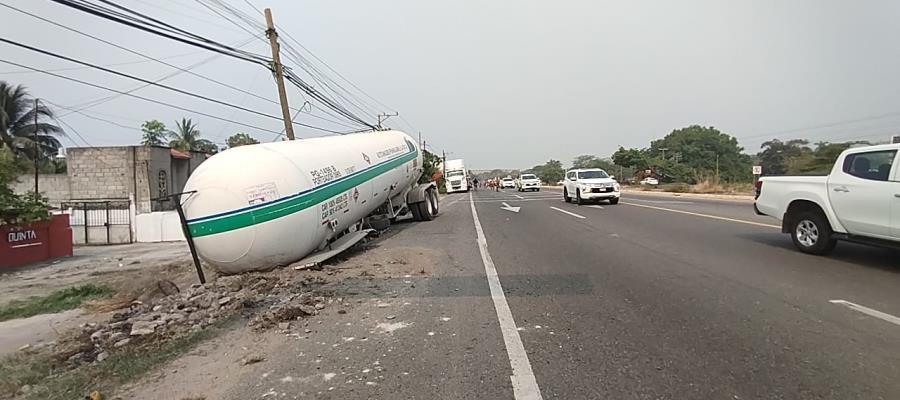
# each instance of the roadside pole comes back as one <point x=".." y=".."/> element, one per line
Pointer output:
<point x="34" y="139"/>
<point x="279" y="75"/>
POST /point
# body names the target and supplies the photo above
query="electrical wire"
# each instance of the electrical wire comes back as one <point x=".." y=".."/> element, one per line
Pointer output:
<point x="160" y="29"/>
<point x="149" y="82"/>
<point x="142" y="97"/>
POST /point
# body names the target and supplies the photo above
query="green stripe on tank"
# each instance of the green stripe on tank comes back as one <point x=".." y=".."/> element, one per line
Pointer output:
<point x="243" y="219"/>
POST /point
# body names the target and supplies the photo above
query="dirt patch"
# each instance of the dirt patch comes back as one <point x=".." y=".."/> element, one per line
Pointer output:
<point x="125" y="268"/>
<point x="209" y="370"/>
<point x="389" y="262"/>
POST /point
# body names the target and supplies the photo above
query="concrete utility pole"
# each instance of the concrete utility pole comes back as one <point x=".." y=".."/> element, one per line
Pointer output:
<point x="279" y="75"/>
<point x="34" y="139"/>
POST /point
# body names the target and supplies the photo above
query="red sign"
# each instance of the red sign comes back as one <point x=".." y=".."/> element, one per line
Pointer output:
<point x="25" y="244"/>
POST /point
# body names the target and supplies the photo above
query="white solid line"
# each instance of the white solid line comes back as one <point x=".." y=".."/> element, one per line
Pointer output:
<point x="866" y="310"/>
<point x="519" y="197"/>
<point x="566" y="212"/>
<point x="523" y="382"/>
<point x="704" y="215"/>
<point x="596" y="206"/>
<point x="662" y="201"/>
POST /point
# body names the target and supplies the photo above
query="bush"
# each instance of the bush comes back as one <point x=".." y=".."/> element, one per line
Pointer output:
<point x="18" y="209"/>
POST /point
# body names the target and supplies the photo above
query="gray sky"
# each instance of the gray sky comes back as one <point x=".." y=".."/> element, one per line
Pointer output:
<point x="510" y="84"/>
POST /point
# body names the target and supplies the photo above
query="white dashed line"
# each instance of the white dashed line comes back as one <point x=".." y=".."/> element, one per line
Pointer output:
<point x="570" y="213"/>
<point x="524" y="384"/>
<point x="868" y="311"/>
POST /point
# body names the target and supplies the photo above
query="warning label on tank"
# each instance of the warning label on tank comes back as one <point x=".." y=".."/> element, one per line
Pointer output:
<point x="262" y="193"/>
<point x="334" y="206"/>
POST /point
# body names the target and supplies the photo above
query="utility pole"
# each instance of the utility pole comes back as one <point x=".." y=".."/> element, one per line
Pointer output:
<point x="279" y="75"/>
<point x="384" y="116"/>
<point x="717" y="168"/>
<point x="35" y="140"/>
<point x="663" y="150"/>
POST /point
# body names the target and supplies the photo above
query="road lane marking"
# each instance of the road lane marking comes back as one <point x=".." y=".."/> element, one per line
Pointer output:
<point x="570" y="213"/>
<point x="662" y="201"/>
<point x="868" y="311"/>
<point x="508" y="208"/>
<point x="596" y="206"/>
<point x="740" y="221"/>
<point x="454" y="201"/>
<point x="502" y="200"/>
<point x="518" y="197"/>
<point x="524" y="384"/>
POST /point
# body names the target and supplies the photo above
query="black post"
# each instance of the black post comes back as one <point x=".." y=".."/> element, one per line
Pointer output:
<point x="187" y="235"/>
<point x="36" y="151"/>
<point x="85" y="212"/>
<point x="107" y="222"/>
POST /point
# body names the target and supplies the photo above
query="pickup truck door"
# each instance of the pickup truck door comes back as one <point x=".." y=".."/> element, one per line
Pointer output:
<point x="862" y="193"/>
<point x="895" y="202"/>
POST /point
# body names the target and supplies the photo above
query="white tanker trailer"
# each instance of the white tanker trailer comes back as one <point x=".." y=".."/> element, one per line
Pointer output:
<point x="259" y="206"/>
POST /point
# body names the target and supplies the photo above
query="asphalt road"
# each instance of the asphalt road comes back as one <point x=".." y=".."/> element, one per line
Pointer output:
<point x="529" y="297"/>
<point x="687" y="298"/>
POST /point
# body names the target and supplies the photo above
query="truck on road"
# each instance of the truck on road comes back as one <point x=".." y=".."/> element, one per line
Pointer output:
<point x="456" y="177"/>
<point x="858" y="201"/>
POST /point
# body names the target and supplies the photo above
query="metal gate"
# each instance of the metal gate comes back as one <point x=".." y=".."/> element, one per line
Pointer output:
<point x="100" y="221"/>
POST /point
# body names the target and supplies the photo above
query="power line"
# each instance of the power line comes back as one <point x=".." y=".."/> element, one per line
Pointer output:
<point x="826" y="125"/>
<point x="141" y="97"/>
<point x="159" y="30"/>
<point x="174" y="89"/>
<point x="148" y="57"/>
<point x="25" y="71"/>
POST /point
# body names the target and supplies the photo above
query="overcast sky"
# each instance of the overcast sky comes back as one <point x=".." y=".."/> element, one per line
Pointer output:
<point x="507" y="83"/>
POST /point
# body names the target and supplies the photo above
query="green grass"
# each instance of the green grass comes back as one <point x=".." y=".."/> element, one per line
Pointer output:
<point x="122" y="366"/>
<point x="60" y="300"/>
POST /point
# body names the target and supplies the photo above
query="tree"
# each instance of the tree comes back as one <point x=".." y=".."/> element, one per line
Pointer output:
<point x="240" y="139"/>
<point x="776" y="155"/>
<point x="631" y="158"/>
<point x="17" y="124"/>
<point x="705" y="151"/>
<point x="17" y="209"/>
<point x="551" y="172"/>
<point x="186" y="137"/>
<point x="589" y="161"/>
<point x="154" y="133"/>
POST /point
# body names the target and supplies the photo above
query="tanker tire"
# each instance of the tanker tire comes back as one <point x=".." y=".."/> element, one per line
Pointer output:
<point x="416" y="213"/>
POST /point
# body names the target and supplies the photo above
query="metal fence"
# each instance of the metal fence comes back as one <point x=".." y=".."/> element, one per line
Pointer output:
<point x="100" y="221"/>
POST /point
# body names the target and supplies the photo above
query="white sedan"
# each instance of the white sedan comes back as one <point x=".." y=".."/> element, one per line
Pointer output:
<point x="649" y="181"/>
<point x="507" y="183"/>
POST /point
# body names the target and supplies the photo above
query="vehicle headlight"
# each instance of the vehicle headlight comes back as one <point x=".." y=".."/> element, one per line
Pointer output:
<point x="616" y="187"/>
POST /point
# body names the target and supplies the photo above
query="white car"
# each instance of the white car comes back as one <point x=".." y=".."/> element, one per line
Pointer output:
<point x="858" y="201"/>
<point x="649" y="181"/>
<point x="590" y="184"/>
<point x="507" y="183"/>
<point x="528" y="182"/>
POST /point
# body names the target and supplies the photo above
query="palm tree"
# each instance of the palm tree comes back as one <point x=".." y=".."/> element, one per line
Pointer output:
<point x="17" y="124"/>
<point x="186" y="137"/>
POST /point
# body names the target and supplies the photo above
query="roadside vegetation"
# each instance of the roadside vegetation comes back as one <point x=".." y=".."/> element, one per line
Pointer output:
<point x="40" y="375"/>
<point x="700" y="159"/>
<point x="61" y="300"/>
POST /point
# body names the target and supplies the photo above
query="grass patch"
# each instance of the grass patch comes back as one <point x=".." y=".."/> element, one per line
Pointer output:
<point x="122" y="366"/>
<point x="60" y="300"/>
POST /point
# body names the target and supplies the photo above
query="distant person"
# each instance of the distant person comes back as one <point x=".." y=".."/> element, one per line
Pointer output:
<point x="475" y="183"/>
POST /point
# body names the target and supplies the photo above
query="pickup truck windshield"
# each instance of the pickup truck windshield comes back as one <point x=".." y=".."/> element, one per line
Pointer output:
<point x="529" y="176"/>
<point x="592" y="174"/>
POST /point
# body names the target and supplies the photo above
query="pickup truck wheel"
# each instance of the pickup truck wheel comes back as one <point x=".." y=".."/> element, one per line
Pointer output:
<point x="812" y="233"/>
<point x="614" y="200"/>
<point x="578" y="198"/>
<point x="566" y="196"/>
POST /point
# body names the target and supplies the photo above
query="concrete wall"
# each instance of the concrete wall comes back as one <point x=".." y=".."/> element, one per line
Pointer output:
<point x="100" y="172"/>
<point x="55" y="187"/>
<point x="159" y="226"/>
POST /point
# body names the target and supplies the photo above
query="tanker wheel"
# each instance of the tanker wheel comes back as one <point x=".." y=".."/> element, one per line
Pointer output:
<point x="435" y="202"/>
<point x="425" y="210"/>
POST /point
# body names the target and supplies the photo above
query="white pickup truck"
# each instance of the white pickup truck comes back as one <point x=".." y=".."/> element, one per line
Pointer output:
<point x="858" y="201"/>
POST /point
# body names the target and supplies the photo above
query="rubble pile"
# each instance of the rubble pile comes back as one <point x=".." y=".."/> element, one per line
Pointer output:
<point x="193" y="309"/>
